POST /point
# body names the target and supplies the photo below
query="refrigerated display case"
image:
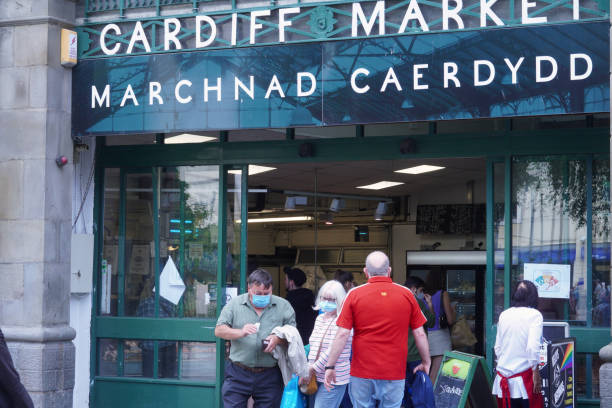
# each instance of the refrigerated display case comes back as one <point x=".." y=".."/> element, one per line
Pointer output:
<point x="466" y="295"/>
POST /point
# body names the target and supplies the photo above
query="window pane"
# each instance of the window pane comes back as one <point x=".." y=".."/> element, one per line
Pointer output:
<point x="233" y="229"/>
<point x="107" y="357"/>
<point x="110" y="257"/>
<point x="139" y="236"/>
<point x="198" y="361"/>
<point x="548" y="233"/>
<point x="498" y="238"/>
<point x="601" y="243"/>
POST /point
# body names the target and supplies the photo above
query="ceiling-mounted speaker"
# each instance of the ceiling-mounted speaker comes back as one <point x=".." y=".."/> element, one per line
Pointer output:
<point x="306" y="150"/>
<point x="408" y="145"/>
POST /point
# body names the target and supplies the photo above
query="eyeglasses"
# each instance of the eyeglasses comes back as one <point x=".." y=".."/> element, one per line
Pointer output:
<point x="328" y="299"/>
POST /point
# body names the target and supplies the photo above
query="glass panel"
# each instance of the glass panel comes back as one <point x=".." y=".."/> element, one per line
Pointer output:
<point x="601" y="243"/>
<point x="139" y="238"/>
<point x="200" y="195"/>
<point x="110" y="257"/>
<point x="233" y="231"/>
<point x="498" y="238"/>
<point x="188" y="234"/>
<point x="107" y="357"/>
<point x="549" y="231"/>
<point x="580" y="367"/>
<point x="198" y="361"/>
<point x="139" y="358"/>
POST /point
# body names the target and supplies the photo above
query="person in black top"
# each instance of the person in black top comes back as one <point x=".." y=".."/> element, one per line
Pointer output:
<point x="12" y="393"/>
<point x="302" y="300"/>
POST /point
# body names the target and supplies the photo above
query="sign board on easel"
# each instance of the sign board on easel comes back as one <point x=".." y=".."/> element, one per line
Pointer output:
<point x="463" y="378"/>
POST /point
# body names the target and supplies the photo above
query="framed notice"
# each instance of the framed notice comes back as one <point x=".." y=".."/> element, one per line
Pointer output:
<point x="552" y="280"/>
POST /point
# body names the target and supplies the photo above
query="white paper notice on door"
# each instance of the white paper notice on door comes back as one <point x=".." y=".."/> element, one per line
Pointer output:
<point x="105" y="296"/>
<point x="552" y="280"/>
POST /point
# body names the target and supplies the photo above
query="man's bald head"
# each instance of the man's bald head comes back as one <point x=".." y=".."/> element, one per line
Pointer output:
<point x="377" y="264"/>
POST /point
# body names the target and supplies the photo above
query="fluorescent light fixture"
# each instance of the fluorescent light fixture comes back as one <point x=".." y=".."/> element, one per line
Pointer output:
<point x="424" y="168"/>
<point x="381" y="210"/>
<point x="278" y="219"/>
<point x="380" y="185"/>
<point x="188" y="138"/>
<point x="253" y="169"/>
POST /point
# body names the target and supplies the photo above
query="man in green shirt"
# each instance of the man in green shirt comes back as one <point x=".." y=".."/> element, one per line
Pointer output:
<point x="247" y="321"/>
<point x="416" y="285"/>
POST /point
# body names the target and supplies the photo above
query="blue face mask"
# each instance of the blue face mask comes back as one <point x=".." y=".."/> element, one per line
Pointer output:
<point x="328" y="307"/>
<point x="261" y="301"/>
<point x="420" y="296"/>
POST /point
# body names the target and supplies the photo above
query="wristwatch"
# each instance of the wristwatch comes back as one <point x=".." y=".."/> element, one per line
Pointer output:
<point x="330" y="367"/>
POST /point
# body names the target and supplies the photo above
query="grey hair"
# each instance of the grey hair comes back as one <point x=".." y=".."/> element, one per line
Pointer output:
<point x="333" y="287"/>
<point x="260" y="277"/>
<point x="377" y="264"/>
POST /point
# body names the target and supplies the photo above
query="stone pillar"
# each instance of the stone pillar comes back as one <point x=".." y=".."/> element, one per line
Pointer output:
<point x="605" y="371"/>
<point x="35" y="204"/>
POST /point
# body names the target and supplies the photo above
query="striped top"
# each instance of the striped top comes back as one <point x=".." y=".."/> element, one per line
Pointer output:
<point x="343" y="364"/>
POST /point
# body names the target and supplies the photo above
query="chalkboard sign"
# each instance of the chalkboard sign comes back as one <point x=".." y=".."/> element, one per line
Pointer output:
<point x="460" y="219"/>
<point x="463" y="378"/>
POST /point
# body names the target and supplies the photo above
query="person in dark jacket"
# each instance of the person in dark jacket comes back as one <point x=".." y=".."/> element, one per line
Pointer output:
<point x="12" y="392"/>
<point x="302" y="301"/>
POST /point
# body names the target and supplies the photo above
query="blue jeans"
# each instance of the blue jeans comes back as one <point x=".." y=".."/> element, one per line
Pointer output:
<point x="364" y="392"/>
<point x="328" y="399"/>
<point x="410" y="366"/>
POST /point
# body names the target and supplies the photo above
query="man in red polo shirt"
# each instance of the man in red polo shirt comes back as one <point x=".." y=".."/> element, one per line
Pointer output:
<point x="380" y="314"/>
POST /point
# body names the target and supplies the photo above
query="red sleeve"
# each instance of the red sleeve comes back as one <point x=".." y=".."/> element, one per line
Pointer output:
<point x="345" y="319"/>
<point x="417" y="318"/>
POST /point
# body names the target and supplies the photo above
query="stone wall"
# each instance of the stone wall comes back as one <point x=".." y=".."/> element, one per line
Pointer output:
<point x="35" y="205"/>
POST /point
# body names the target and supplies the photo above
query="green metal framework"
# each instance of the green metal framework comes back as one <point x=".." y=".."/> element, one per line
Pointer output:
<point x="320" y="21"/>
<point x="497" y="147"/>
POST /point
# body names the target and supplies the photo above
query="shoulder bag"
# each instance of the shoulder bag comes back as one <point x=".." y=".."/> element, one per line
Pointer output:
<point x="312" y="386"/>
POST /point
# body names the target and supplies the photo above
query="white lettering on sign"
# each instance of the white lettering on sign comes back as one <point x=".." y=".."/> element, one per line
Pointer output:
<point x="95" y="97"/>
<point x="176" y="31"/>
<point x="304" y="84"/>
<point x="553" y="68"/>
<point x="377" y="14"/>
<point x="451" y="390"/>
<point x="413" y="12"/>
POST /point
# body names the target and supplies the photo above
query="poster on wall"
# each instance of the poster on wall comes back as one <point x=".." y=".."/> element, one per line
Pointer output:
<point x="552" y="280"/>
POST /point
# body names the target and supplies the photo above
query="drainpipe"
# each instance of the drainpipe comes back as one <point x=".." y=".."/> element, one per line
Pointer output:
<point x="605" y="371"/>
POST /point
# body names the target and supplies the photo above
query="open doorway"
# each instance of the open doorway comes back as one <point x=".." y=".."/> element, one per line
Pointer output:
<point x="325" y="217"/>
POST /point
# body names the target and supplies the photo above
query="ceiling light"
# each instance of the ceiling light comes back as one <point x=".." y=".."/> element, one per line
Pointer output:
<point x="336" y="205"/>
<point x="424" y="168"/>
<point x="381" y="210"/>
<point x="290" y="203"/>
<point x="380" y="185"/>
<point x="253" y="169"/>
<point x="188" y="138"/>
<point x="278" y="219"/>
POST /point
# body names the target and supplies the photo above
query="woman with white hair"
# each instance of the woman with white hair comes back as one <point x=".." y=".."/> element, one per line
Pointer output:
<point x="329" y="301"/>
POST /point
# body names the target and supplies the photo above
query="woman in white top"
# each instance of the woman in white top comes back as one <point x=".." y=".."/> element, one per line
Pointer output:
<point x="329" y="301"/>
<point x="517" y="347"/>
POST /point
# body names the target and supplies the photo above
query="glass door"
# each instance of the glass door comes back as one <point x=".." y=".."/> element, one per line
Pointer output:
<point x="170" y="256"/>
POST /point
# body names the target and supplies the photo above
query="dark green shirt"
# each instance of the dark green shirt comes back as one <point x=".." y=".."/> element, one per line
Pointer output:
<point x="238" y="312"/>
<point x="413" y="352"/>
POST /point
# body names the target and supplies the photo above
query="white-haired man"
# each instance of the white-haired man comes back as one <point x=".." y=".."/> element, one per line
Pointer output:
<point x="380" y="313"/>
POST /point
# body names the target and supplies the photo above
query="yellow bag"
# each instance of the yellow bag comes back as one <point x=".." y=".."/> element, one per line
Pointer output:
<point x="461" y="334"/>
<point x="311" y="387"/>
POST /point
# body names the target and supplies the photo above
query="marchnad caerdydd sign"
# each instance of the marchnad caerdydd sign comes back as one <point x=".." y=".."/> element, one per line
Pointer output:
<point x="545" y="70"/>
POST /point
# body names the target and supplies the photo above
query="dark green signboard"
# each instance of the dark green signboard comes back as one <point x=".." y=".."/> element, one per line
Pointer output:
<point x="463" y="380"/>
<point x="537" y="70"/>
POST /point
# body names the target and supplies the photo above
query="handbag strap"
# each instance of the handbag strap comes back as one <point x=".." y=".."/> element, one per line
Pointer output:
<point x="322" y="339"/>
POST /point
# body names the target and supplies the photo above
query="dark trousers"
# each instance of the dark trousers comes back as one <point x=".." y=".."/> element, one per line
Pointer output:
<point x="265" y="387"/>
<point x="516" y="403"/>
<point x="166" y="367"/>
<point x="410" y="366"/>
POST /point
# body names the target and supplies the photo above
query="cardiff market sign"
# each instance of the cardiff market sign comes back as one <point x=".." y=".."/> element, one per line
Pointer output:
<point x="399" y="64"/>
